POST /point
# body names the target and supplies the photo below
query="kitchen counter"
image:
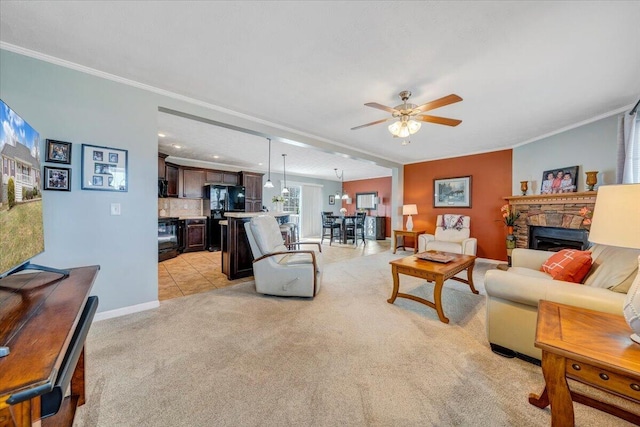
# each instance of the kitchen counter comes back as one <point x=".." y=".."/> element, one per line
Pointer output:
<point x="193" y="217"/>
<point x="237" y="259"/>
<point x="252" y="214"/>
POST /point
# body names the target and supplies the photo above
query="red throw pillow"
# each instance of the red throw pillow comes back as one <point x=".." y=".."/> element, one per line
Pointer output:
<point x="569" y="265"/>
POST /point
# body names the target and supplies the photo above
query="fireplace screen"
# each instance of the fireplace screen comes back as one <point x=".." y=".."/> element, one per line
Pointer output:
<point x="555" y="239"/>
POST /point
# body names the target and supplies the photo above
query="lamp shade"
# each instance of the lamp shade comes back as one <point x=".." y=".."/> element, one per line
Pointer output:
<point x="615" y="223"/>
<point x="615" y="216"/>
<point x="409" y="210"/>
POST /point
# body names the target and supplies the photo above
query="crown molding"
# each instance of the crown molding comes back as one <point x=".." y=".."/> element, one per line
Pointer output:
<point x="108" y="76"/>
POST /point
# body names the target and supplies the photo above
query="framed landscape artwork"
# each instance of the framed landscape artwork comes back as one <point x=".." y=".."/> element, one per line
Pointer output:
<point x="560" y="180"/>
<point x="452" y="192"/>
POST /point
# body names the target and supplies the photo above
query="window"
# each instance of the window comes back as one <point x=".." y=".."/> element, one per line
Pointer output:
<point x="292" y="200"/>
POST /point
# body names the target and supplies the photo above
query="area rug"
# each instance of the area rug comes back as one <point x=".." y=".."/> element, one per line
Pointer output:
<point x="231" y="357"/>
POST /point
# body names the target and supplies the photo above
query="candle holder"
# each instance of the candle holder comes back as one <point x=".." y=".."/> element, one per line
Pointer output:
<point x="524" y="187"/>
<point x="592" y="180"/>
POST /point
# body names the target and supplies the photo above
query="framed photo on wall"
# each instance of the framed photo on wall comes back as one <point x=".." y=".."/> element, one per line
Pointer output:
<point x="104" y="168"/>
<point x="452" y="192"/>
<point x="58" y="152"/>
<point x="332" y="199"/>
<point x="57" y="178"/>
<point x="560" y="180"/>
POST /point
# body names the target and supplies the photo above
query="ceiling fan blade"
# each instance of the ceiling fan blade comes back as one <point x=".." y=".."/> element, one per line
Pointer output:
<point x="438" y="120"/>
<point x="381" y="107"/>
<point x="449" y="99"/>
<point x="372" y="123"/>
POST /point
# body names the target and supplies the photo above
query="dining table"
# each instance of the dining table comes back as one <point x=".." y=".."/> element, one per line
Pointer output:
<point x="343" y="220"/>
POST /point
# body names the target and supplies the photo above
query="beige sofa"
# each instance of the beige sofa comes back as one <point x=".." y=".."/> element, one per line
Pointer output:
<point x="513" y="295"/>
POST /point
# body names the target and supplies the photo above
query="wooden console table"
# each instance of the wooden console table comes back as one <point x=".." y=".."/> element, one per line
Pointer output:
<point x="44" y="321"/>
<point x="591" y="347"/>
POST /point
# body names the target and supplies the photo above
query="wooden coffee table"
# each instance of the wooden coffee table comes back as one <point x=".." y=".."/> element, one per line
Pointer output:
<point x="432" y="272"/>
<point x="591" y="347"/>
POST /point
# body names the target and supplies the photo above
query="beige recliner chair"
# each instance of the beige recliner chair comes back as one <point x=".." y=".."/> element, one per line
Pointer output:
<point x="278" y="270"/>
<point x="451" y="235"/>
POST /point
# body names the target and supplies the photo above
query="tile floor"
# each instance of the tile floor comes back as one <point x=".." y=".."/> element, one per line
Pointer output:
<point x="194" y="272"/>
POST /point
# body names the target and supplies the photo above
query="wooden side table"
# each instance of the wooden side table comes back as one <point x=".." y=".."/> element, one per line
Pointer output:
<point x="406" y="233"/>
<point x="591" y="347"/>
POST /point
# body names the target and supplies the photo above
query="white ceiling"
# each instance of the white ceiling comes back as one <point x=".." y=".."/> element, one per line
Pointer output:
<point x="524" y="69"/>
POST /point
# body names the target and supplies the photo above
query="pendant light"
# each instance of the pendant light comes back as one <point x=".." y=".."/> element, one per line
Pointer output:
<point x="345" y="196"/>
<point x="269" y="184"/>
<point x="285" y="190"/>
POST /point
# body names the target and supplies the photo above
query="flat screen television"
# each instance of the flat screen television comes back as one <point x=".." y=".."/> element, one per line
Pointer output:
<point x="21" y="220"/>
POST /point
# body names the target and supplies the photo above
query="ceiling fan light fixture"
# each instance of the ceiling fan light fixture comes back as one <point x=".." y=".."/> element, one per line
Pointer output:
<point x="404" y="128"/>
<point x="394" y="128"/>
<point x="413" y="126"/>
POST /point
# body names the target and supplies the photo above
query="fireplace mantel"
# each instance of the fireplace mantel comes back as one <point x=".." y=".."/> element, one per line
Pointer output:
<point x="586" y="197"/>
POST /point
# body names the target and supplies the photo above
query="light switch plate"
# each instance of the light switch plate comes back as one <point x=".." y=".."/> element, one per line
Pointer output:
<point x="115" y="208"/>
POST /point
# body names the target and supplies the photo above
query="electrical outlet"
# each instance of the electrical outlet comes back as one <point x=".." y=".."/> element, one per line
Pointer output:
<point x="115" y="208"/>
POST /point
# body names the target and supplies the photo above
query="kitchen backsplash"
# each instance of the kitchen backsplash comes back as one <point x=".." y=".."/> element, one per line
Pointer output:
<point x="171" y="206"/>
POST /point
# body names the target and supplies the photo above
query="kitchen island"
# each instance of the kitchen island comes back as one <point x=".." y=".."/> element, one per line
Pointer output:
<point x="237" y="260"/>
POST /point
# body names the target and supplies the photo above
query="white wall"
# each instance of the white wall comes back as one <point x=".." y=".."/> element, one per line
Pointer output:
<point x="591" y="147"/>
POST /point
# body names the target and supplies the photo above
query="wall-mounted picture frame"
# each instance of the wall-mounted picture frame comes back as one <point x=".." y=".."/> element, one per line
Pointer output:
<point x="58" y="152"/>
<point x="332" y="199"/>
<point x="560" y="180"/>
<point x="452" y="192"/>
<point x="104" y="168"/>
<point x="56" y="178"/>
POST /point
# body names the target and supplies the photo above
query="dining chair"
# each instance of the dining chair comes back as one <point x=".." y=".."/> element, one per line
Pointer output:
<point x="329" y="226"/>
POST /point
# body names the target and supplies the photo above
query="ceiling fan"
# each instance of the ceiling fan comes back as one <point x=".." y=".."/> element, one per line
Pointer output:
<point x="408" y="116"/>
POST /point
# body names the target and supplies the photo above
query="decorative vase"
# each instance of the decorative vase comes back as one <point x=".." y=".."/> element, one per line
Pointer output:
<point x="524" y="186"/>
<point x="511" y="241"/>
<point x="592" y="180"/>
<point x="279" y="206"/>
<point x="510" y="229"/>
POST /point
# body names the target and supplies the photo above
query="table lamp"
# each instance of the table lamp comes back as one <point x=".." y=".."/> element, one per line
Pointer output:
<point x="616" y="222"/>
<point x="409" y="210"/>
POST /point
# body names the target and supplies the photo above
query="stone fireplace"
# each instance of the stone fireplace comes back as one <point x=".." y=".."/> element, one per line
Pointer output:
<point x="552" y="221"/>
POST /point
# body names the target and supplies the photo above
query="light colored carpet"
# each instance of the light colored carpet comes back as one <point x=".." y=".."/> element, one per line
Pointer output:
<point x="231" y="357"/>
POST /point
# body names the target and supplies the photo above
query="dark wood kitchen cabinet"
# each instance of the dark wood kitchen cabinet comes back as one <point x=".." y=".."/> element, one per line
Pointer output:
<point x="252" y="183"/>
<point x="172" y="173"/>
<point x="195" y="234"/>
<point x="192" y="183"/>
<point x="162" y="173"/>
<point x="221" y="177"/>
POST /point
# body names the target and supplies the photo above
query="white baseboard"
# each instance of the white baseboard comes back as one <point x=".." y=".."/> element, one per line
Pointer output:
<point x="126" y="310"/>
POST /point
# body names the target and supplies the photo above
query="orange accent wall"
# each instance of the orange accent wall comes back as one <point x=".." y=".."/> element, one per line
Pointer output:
<point x="382" y="186"/>
<point x="490" y="181"/>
